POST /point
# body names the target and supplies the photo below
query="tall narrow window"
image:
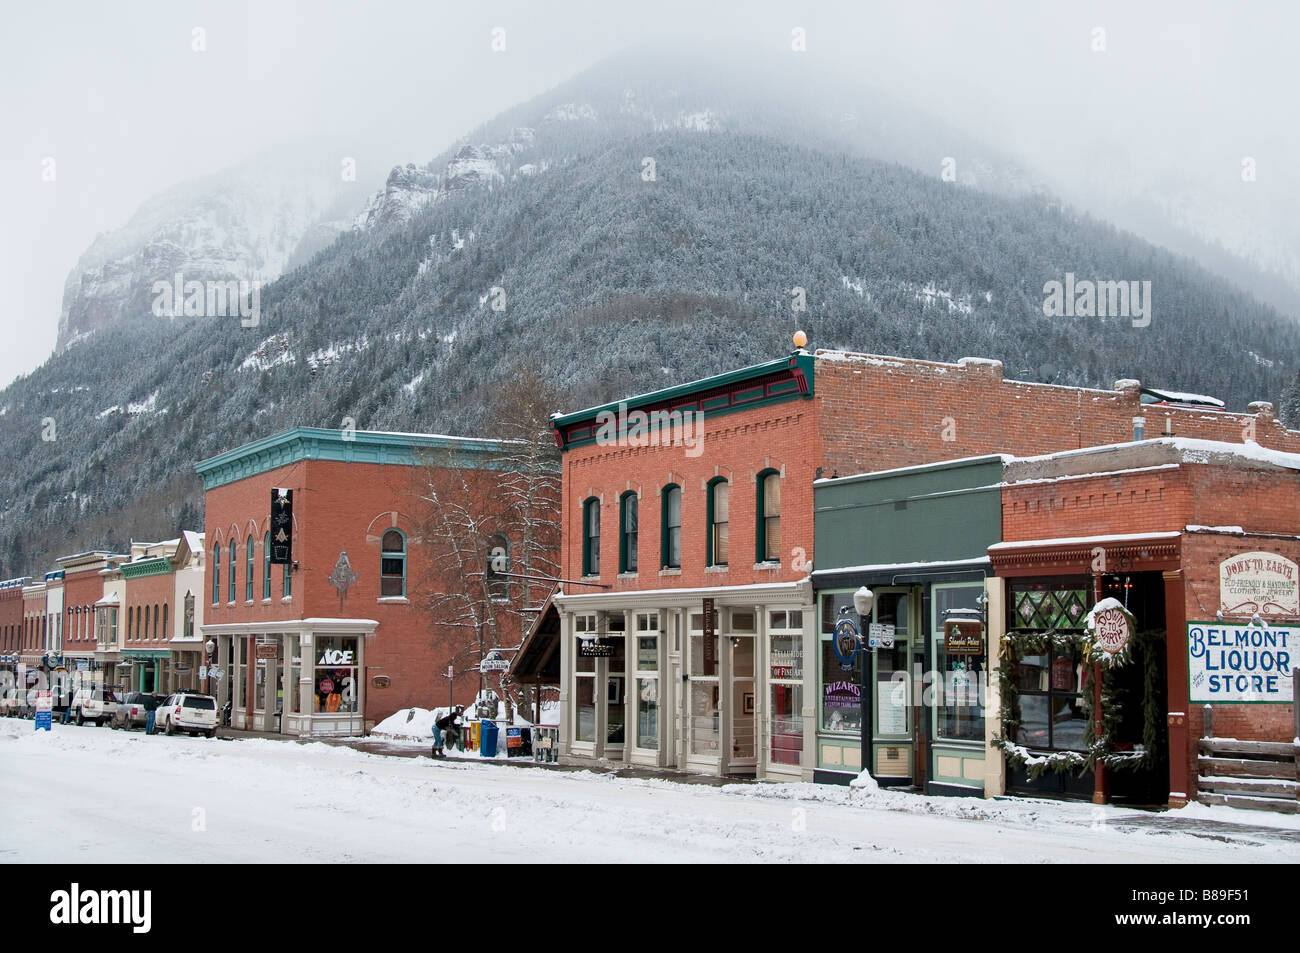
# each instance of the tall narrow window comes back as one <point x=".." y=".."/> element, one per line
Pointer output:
<point x="591" y="538"/>
<point x="216" y="573"/>
<point x="670" y="535"/>
<point x="249" y="563"/>
<point x="392" y="564"/>
<point x="719" y="521"/>
<point x="767" y="532"/>
<point x="627" y="522"/>
<point x="156" y="630"/>
<point x="163" y="635"/>
<point x="288" y="583"/>
<point x="266" y="566"/>
<point x="234" y="563"/>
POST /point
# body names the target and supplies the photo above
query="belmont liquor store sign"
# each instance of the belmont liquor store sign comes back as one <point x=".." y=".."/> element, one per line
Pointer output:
<point x="1241" y="663"/>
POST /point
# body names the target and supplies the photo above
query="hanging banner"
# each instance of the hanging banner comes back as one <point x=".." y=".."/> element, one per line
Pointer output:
<point x="1246" y="664"/>
<point x="1259" y="583"/>
<point x="281" y="527"/>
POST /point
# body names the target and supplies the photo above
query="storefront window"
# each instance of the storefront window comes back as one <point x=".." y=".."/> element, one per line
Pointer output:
<point x="1050" y="684"/>
<point x="959" y="700"/>
<point x="335" y="675"/>
<point x="704" y="717"/>
<point x="585" y="704"/>
<point x="785" y="670"/>
<point x="893" y="687"/>
<point x="841" y="684"/>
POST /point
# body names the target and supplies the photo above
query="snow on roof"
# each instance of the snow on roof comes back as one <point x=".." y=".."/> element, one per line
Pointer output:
<point x="1189" y="449"/>
<point x="917" y="467"/>
<point x="1083" y="540"/>
<point x="1182" y="396"/>
<point x="974" y="561"/>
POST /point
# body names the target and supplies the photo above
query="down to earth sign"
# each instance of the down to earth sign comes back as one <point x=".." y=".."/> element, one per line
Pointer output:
<point x="1241" y="663"/>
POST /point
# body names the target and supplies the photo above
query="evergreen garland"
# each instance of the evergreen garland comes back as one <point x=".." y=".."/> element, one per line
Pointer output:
<point x="1017" y="644"/>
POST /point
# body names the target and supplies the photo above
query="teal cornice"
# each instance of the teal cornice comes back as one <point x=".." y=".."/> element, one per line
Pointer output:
<point x="788" y="378"/>
<point x="155" y="566"/>
<point x="343" y="446"/>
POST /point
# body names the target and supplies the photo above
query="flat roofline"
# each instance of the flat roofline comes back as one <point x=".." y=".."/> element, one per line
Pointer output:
<point x="1003" y="458"/>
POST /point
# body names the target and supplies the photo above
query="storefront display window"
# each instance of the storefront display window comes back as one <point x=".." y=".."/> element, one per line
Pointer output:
<point x="335" y="675"/>
<point x="1050" y="684"/>
<point x="585" y="705"/>
<point x="893" y="686"/>
<point x="959" y="700"/>
<point x="785" y="671"/>
<point x="841" y="691"/>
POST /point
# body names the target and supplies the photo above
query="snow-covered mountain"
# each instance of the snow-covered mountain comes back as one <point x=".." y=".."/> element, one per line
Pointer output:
<point x="251" y="222"/>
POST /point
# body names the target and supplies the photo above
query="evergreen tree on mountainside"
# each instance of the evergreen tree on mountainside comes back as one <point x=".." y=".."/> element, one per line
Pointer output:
<point x="613" y="284"/>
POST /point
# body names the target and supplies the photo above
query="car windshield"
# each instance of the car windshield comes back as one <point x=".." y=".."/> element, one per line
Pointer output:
<point x="195" y="701"/>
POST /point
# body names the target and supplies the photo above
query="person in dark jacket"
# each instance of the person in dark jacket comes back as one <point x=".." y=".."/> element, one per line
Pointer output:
<point x="446" y="731"/>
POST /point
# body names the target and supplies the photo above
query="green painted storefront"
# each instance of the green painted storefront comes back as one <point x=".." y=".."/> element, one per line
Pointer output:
<point x="918" y="538"/>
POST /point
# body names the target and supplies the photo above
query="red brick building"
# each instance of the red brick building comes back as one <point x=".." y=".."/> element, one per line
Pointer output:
<point x="82" y="588"/>
<point x="704" y="491"/>
<point x="377" y="603"/>
<point x="1188" y="534"/>
<point x="11" y="634"/>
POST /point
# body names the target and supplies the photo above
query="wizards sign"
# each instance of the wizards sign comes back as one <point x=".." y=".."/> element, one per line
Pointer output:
<point x="281" y="526"/>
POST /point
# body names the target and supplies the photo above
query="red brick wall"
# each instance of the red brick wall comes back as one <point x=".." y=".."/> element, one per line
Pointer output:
<point x="737" y="446"/>
<point x="11" y="619"/>
<point x="1202" y="553"/>
<point x="143" y="593"/>
<point x="348" y="506"/>
<point x="81" y="590"/>
<point x="879" y="413"/>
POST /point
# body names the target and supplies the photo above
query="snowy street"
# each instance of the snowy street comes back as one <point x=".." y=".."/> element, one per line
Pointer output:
<point x="101" y="796"/>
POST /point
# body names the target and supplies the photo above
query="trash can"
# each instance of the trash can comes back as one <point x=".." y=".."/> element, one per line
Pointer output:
<point x="488" y="739"/>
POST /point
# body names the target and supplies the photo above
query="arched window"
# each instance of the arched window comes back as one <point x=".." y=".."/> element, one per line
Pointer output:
<point x="767" y="530"/>
<point x="392" y="564"/>
<point x="670" y="527"/>
<point x="130" y="623"/>
<point x="719" y="519"/>
<point x="249" y="563"/>
<point x="163" y="634"/>
<point x="157" y="633"/>
<point x="266" y="565"/>
<point x="591" y="537"/>
<point x="627" y="532"/>
<point x="234" y="564"/>
<point x="216" y="574"/>
<point x="498" y="563"/>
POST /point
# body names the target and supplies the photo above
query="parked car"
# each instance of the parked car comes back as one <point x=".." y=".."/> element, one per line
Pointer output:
<point x="188" y="711"/>
<point x="90" y="704"/>
<point x="133" y="710"/>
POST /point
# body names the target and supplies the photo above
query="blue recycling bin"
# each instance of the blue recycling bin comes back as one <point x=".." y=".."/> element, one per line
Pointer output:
<point x="488" y="739"/>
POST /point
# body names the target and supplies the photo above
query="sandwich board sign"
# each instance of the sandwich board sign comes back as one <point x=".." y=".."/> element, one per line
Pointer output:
<point x="44" y="710"/>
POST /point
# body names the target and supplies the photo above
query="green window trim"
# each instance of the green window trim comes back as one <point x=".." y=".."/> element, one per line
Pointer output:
<point x="628" y="511"/>
<point x="590" y="552"/>
<point x="761" y="552"/>
<point x="709" y="521"/>
<point x="266" y="565"/>
<point x="234" y="567"/>
<point x="249" y="560"/>
<point x="216" y="575"/>
<point x="666" y="528"/>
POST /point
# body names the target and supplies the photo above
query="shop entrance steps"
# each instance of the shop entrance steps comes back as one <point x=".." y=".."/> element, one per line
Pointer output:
<point x="1261" y="775"/>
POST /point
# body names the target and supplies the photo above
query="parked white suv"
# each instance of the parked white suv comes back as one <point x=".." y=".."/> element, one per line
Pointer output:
<point x="92" y="704"/>
<point x="188" y="711"/>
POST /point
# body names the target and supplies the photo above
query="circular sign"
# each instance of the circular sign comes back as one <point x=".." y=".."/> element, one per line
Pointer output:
<point x="1111" y="626"/>
<point x="326" y="686"/>
<point x="845" y="640"/>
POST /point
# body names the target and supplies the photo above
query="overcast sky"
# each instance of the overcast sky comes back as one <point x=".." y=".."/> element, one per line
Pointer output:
<point x="116" y="94"/>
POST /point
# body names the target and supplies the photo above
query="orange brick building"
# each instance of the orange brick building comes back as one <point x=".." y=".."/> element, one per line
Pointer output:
<point x="344" y="635"/>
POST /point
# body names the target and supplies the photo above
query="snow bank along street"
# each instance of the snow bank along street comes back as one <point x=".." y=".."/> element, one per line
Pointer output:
<point x="258" y="800"/>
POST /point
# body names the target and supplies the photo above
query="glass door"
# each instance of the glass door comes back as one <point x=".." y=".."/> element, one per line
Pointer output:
<point x="892" y="710"/>
<point x="744" y="725"/>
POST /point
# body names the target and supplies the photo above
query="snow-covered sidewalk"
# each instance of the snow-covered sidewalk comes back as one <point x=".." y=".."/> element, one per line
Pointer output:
<point x="99" y="796"/>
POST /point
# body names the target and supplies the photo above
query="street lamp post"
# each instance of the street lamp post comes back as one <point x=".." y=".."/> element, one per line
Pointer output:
<point x="210" y="646"/>
<point x="862" y="602"/>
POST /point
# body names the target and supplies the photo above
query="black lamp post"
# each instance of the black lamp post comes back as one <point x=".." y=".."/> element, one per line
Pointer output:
<point x="862" y="602"/>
